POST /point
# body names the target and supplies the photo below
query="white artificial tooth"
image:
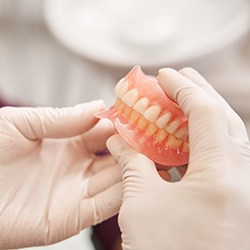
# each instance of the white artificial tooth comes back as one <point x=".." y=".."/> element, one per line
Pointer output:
<point x="163" y="120"/>
<point x="152" y="113"/>
<point x="172" y="126"/>
<point x="134" y="116"/>
<point x="161" y="135"/>
<point x="173" y="142"/>
<point x="127" y="111"/>
<point x="151" y="129"/>
<point x="121" y="88"/>
<point x="182" y="133"/>
<point x="141" y="105"/>
<point x="131" y="97"/>
<point x="142" y="123"/>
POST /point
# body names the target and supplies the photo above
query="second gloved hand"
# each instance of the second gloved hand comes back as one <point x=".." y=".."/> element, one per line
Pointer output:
<point x="209" y="208"/>
<point x="52" y="184"/>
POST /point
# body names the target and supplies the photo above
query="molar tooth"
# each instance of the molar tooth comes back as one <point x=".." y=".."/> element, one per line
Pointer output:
<point x="134" y="116"/>
<point x="163" y="120"/>
<point x="141" y="105"/>
<point x="182" y="133"/>
<point x="131" y="97"/>
<point x="161" y="135"/>
<point x="152" y="113"/>
<point x="173" y="142"/>
<point x="172" y="127"/>
<point x="151" y="129"/>
<point x="142" y="123"/>
<point x="121" y="88"/>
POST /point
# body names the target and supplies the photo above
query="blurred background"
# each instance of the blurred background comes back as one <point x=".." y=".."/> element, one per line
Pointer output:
<point x="63" y="52"/>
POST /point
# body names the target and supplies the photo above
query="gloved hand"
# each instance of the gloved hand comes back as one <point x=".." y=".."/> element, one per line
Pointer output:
<point x="209" y="208"/>
<point x="52" y="184"/>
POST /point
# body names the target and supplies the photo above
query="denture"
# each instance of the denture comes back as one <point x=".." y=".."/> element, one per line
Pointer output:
<point x="148" y="120"/>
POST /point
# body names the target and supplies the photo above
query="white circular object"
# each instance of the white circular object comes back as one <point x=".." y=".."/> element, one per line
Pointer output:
<point x="146" y="32"/>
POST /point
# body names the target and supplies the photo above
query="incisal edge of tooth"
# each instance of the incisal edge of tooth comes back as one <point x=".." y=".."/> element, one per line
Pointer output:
<point x="152" y="113"/>
<point x="182" y="133"/>
<point x="151" y="129"/>
<point x="134" y="116"/>
<point x="121" y="88"/>
<point x="163" y="120"/>
<point x="127" y="111"/>
<point x="161" y="135"/>
<point x="120" y="106"/>
<point x="142" y="123"/>
<point x="172" y="126"/>
<point x="141" y="105"/>
<point x="131" y="97"/>
<point x="173" y="142"/>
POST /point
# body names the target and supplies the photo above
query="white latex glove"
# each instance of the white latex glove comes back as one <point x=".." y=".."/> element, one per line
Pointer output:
<point x="52" y="184"/>
<point x="210" y="207"/>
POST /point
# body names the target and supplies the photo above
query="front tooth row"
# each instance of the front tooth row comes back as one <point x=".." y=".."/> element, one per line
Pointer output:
<point x="130" y="98"/>
<point x="129" y="106"/>
<point x="142" y="122"/>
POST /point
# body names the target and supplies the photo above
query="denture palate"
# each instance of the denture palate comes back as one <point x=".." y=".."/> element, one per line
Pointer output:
<point x="150" y="117"/>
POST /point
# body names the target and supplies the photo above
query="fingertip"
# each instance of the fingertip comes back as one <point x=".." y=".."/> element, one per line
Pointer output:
<point x="96" y="137"/>
<point x="122" y="151"/>
<point x="164" y="73"/>
<point x="98" y="102"/>
<point x="132" y="162"/>
<point x="71" y="121"/>
<point x="188" y="70"/>
<point x="167" y="79"/>
<point x="113" y="140"/>
<point x="95" y="105"/>
<point x="106" y="125"/>
<point x="194" y="76"/>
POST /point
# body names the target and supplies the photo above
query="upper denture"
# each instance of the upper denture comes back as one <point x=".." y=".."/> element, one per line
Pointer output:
<point x="153" y="118"/>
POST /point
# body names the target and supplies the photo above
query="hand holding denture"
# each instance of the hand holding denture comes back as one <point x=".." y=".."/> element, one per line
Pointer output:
<point x="52" y="182"/>
<point x="149" y="120"/>
<point x="209" y="207"/>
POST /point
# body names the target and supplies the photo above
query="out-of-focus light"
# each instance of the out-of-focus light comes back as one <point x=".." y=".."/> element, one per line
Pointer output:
<point x="146" y="32"/>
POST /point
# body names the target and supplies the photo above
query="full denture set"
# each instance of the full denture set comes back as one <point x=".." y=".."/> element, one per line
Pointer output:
<point x="148" y="120"/>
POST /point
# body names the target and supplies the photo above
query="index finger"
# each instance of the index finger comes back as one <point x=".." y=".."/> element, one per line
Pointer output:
<point x="47" y="122"/>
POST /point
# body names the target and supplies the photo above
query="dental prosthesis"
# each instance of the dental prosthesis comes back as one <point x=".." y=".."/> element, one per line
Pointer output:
<point x="148" y="120"/>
